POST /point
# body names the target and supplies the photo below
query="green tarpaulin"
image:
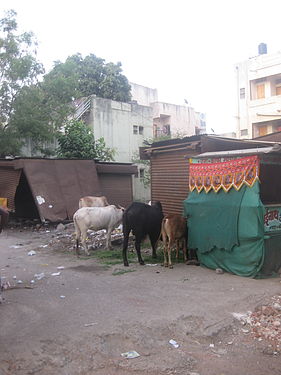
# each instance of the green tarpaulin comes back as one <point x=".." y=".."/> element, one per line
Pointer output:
<point x="227" y="229"/>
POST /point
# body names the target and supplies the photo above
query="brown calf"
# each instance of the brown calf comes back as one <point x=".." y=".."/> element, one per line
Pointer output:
<point x="174" y="231"/>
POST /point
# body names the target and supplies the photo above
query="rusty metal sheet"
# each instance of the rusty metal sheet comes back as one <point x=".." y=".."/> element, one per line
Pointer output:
<point x="117" y="188"/>
<point x="116" y="168"/>
<point x="169" y="180"/>
<point x="57" y="185"/>
<point x="9" y="180"/>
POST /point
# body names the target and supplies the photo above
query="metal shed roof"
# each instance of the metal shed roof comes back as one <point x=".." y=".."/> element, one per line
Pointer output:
<point x="276" y="148"/>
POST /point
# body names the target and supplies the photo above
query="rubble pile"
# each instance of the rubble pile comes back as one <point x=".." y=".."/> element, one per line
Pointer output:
<point x="265" y="323"/>
<point x="64" y="238"/>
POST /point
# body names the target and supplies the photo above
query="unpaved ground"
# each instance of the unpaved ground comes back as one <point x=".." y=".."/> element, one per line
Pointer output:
<point x="79" y="322"/>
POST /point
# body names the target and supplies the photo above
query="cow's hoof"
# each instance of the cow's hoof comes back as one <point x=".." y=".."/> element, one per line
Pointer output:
<point x="165" y="264"/>
<point x="171" y="267"/>
<point x="126" y="264"/>
<point x="142" y="263"/>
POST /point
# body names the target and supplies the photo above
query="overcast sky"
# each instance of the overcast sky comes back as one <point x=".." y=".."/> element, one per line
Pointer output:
<point x="186" y="49"/>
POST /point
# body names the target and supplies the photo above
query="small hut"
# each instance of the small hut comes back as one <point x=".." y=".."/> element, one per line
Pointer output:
<point x="234" y="209"/>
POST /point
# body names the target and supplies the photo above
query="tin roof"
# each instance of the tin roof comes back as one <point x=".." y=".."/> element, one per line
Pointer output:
<point x="276" y="148"/>
<point x="57" y="184"/>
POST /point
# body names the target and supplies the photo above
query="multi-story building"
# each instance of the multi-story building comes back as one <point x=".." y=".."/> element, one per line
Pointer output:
<point x="259" y="94"/>
<point x="169" y="119"/>
<point x="125" y="126"/>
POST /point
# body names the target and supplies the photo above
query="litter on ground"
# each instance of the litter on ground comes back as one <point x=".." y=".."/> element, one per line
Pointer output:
<point x="39" y="276"/>
<point x="32" y="252"/>
<point x="174" y="343"/>
<point x="131" y="354"/>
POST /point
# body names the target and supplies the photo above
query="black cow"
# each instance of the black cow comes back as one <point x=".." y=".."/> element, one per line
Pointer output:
<point x="4" y="217"/>
<point x="142" y="219"/>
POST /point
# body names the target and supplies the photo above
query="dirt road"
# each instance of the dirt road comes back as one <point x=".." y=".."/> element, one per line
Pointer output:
<point x="81" y="320"/>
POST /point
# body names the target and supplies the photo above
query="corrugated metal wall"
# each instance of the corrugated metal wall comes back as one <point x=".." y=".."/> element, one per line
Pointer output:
<point x="169" y="179"/>
<point x="117" y="188"/>
<point x="9" y="180"/>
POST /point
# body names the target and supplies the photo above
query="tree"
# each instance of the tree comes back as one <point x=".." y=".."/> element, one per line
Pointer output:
<point x="35" y="110"/>
<point x="18" y="69"/>
<point x="79" y="142"/>
<point x="92" y="76"/>
<point x="40" y="111"/>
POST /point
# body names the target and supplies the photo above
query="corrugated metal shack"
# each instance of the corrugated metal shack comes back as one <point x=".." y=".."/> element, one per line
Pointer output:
<point x="170" y="167"/>
<point x="49" y="189"/>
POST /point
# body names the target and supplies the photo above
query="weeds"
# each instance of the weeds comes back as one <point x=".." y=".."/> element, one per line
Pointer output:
<point x="121" y="272"/>
<point x="111" y="257"/>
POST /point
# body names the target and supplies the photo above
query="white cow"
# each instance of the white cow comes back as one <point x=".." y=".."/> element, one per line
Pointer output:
<point x="96" y="218"/>
<point x="90" y="201"/>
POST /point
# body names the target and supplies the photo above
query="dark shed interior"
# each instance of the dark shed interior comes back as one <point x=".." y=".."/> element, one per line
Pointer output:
<point x="25" y="206"/>
<point x="270" y="187"/>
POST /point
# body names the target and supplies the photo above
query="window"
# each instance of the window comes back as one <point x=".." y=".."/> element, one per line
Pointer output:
<point x="138" y="129"/>
<point x="242" y="93"/>
<point x="141" y="174"/>
<point x="262" y="130"/>
<point x="244" y="132"/>
<point x="166" y="129"/>
<point x="278" y="90"/>
<point x="260" y="91"/>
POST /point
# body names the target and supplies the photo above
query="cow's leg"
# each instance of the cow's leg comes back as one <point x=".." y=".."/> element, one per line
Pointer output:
<point x="165" y="256"/>
<point x="153" y="241"/>
<point x="177" y="249"/>
<point x="125" y="247"/>
<point x="77" y="236"/>
<point x="184" y="249"/>
<point x="83" y="241"/>
<point x="77" y="247"/>
<point x="108" y="239"/>
<point x="138" y="239"/>
<point x="164" y="238"/>
<point x="169" y="252"/>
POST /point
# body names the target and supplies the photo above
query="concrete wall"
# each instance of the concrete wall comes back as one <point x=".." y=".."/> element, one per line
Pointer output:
<point x="182" y="119"/>
<point x="124" y="127"/>
<point x="143" y="95"/>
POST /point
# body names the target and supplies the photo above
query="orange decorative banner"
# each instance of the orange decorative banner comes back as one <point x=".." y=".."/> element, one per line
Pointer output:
<point x="227" y="174"/>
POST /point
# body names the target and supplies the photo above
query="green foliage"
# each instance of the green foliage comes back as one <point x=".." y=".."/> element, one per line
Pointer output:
<point x="112" y="257"/>
<point x="118" y="272"/>
<point x="79" y="142"/>
<point x="39" y="110"/>
<point x="145" y="164"/>
<point x="92" y="76"/>
<point x="18" y="69"/>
